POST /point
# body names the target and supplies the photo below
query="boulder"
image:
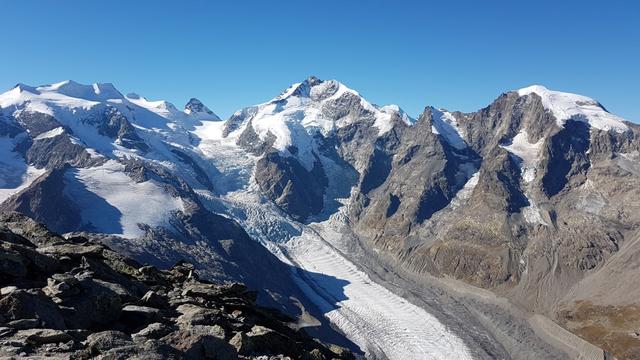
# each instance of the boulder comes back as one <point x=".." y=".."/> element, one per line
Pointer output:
<point x="211" y="291"/>
<point x="136" y="316"/>
<point x="44" y="336"/>
<point x="62" y="285"/>
<point x="23" y="304"/>
<point x="153" y="299"/>
<point x="12" y="263"/>
<point x="153" y="331"/>
<point x="105" y="340"/>
<point x="8" y="290"/>
<point x="262" y="340"/>
<point x="202" y="342"/>
<point x="196" y="315"/>
<point x="43" y="263"/>
<point x="72" y="250"/>
<point x="96" y="305"/>
<point x="24" y="324"/>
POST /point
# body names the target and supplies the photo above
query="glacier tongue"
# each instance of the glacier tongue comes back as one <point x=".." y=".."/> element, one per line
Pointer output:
<point x="380" y="322"/>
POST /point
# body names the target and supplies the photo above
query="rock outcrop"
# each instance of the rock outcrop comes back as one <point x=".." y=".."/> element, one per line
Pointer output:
<point x="77" y="299"/>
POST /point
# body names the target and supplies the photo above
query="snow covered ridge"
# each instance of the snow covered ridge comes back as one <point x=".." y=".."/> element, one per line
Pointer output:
<point x="69" y="98"/>
<point x="567" y="106"/>
<point x="446" y="125"/>
<point x="313" y="106"/>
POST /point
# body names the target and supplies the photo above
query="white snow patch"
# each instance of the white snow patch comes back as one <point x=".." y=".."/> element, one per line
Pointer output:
<point x="528" y="156"/>
<point x="466" y="190"/>
<point x="527" y="153"/>
<point x="565" y="106"/>
<point x="446" y="125"/>
<point x="531" y="213"/>
<point x="51" y="133"/>
<point x="113" y="203"/>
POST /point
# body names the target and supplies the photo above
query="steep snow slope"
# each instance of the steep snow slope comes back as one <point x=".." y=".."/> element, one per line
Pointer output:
<point x="15" y="173"/>
<point x="124" y="204"/>
<point x="445" y="124"/>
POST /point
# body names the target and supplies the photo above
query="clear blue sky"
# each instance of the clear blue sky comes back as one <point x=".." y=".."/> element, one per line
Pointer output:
<point x="459" y="55"/>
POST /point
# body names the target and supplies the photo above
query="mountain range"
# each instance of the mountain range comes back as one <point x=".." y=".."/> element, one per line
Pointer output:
<point x="509" y="232"/>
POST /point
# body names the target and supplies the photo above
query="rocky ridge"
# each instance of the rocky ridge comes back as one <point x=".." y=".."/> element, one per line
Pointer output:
<point x="74" y="298"/>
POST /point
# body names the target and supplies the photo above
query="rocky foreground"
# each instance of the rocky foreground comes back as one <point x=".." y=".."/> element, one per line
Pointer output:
<point x="77" y="299"/>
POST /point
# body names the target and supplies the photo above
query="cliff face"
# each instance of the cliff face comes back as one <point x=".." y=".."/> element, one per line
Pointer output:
<point x="547" y="212"/>
<point x="77" y="299"/>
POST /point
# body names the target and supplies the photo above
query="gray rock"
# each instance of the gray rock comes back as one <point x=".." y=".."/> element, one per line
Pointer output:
<point x="201" y="342"/>
<point x="106" y="340"/>
<point x="22" y="324"/>
<point x="22" y="304"/>
<point x="196" y="315"/>
<point x="153" y="331"/>
<point x="153" y="299"/>
<point x="97" y="305"/>
<point x="140" y="315"/>
<point x="262" y="340"/>
<point x="7" y="290"/>
<point x="44" y="336"/>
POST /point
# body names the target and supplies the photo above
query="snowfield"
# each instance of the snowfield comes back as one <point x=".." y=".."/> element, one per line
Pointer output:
<point x="113" y="203"/>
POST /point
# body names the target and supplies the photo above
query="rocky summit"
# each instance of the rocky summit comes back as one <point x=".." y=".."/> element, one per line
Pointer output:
<point x="73" y="298"/>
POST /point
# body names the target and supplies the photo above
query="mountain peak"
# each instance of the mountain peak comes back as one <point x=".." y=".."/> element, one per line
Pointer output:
<point x="195" y="107"/>
<point x="313" y="80"/>
<point x="567" y="106"/>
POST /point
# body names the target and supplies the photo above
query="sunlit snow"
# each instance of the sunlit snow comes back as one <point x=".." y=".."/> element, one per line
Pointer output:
<point x="565" y="106"/>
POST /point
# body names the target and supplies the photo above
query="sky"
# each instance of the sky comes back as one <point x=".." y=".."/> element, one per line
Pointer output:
<point x="458" y="55"/>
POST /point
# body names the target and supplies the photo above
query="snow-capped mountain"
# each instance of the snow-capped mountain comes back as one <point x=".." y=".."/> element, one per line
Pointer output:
<point x="385" y="225"/>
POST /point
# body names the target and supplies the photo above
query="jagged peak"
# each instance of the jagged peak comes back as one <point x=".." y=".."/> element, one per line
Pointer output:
<point x="196" y="108"/>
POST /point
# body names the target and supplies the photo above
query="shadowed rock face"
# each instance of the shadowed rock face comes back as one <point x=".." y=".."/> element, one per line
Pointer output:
<point x="46" y="202"/>
<point x="116" y="126"/>
<point x="76" y="298"/>
<point x="567" y="158"/>
<point x="293" y="188"/>
<point x="49" y="152"/>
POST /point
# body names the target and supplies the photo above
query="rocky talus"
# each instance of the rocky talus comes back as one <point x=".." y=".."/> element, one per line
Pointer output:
<point x="74" y="298"/>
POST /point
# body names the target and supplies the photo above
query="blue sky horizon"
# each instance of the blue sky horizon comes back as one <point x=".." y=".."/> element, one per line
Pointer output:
<point x="460" y="55"/>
